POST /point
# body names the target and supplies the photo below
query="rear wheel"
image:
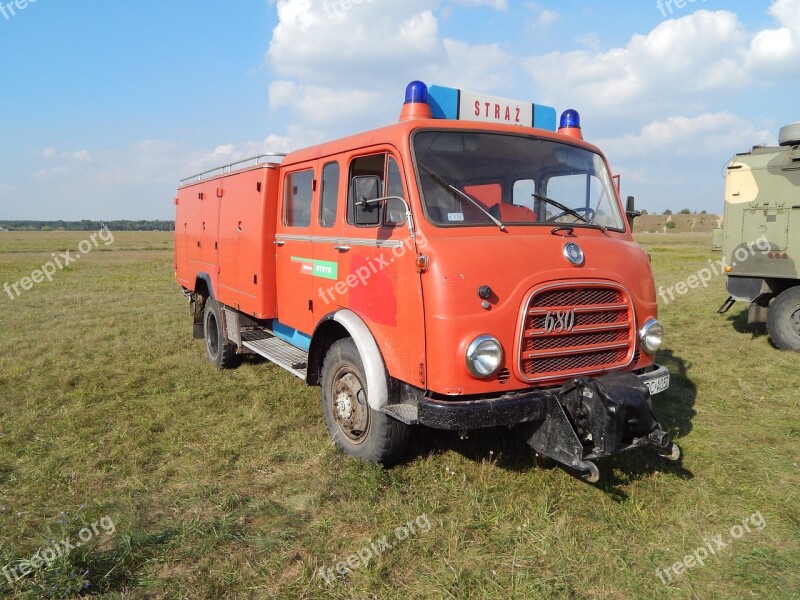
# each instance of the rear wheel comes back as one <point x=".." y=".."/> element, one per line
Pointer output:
<point x="220" y="352"/>
<point x="783" y="322"/>
<point x="357" y="429"/>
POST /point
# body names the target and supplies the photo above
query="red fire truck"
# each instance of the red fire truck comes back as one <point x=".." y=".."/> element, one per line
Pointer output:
<point x="470" y="266"/>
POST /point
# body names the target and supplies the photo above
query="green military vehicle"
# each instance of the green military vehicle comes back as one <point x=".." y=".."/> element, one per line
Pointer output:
<point x="761" y="236"/>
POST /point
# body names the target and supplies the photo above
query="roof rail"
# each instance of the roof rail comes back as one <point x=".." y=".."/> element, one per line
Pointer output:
<point x="234" y="166"/>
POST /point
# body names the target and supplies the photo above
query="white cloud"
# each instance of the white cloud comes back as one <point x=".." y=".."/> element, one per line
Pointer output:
<point x="373" y="41"/>
<point x="682" y="64"/>
<point x="590" y="40"/>
<point x="379" y="48"/>
<point x="547" y="17"/>
<point x="52" y="172"/>
<point x="78" y="156"/>
<point x="708" y="133"/>
<point x="496" y="4"/>
<point x="74" y="156"/>
<point x="478" y="67"/>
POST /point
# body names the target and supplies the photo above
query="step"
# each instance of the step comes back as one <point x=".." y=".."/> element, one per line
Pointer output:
<point x="277" y="351"/>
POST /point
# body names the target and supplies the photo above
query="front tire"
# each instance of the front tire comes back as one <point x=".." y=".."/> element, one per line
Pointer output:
<point x="357" y="429"/>
<point x="783" y="322"/>
<point x="220" y="352"/>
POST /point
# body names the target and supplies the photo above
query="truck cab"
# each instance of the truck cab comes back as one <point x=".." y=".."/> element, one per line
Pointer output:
<point x="469" y="266"/>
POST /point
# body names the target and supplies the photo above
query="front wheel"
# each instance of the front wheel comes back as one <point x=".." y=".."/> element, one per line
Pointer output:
<point x="357" y="429"/>
<point x="783" y="322"/>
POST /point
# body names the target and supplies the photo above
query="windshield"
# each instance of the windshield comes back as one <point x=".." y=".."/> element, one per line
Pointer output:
<point x="498" y="179"/>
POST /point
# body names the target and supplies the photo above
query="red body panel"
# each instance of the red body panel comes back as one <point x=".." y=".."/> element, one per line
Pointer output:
<point x="225" y="228"/>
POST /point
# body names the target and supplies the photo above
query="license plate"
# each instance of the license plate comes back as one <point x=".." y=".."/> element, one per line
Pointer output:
<point x="658" y="385"/>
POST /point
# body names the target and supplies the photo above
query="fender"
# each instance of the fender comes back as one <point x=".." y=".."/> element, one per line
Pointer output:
<point x="206" y="278"/>
<point x="374" y="367"/>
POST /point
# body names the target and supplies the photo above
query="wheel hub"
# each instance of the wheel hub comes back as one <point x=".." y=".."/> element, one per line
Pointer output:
<point x="794" y="321"/>
<point x="350" y="407"/>
<point x="344" y="407"/>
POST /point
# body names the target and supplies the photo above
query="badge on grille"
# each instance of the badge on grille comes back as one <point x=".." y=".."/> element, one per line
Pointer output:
<point x="574" y="254"/>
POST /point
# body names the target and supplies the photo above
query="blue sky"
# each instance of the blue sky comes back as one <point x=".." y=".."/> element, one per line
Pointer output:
<point x="106" y="105"/>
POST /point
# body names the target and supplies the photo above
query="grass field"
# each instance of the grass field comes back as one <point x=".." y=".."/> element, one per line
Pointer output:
<point x="224" y="484"/>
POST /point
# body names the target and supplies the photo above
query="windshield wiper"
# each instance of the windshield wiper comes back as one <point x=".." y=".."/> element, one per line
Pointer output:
<point x="461" y="195"/>
<point x="569" y="211"/>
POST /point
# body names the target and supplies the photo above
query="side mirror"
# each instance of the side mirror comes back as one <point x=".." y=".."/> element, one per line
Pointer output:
<point x="365" y="190"/>
<point x="631" y="212"/>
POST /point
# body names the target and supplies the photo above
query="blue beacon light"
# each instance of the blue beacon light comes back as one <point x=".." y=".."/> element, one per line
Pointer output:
<point x="416" y="104"/>
<point x="416" y="91"/>
<point x="571" y="124"/>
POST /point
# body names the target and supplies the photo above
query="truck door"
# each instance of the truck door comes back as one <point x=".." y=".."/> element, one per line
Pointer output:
<point x="377" y="274"/>
<point x="328" y="245"/>
<point x="294" y="257"/>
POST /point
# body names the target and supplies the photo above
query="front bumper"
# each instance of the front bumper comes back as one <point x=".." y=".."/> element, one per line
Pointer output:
<point x="504" y="410"/>
<point x="586" y="419"/>
<point x="478" y="414"/>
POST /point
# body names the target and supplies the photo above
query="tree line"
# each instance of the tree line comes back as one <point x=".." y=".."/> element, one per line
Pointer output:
<point x="87" y="225"/>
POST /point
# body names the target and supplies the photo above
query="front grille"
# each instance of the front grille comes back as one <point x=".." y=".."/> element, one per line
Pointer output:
<point x="576" y="329"/>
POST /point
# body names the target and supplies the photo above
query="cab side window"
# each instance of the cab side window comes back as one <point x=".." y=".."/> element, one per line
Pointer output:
<point x="330" y="195"/>
<point x="298" y="194"/>
<point x="395" y="209"/>
<point x="366" y="179"/>
<point x="371" y="177"/>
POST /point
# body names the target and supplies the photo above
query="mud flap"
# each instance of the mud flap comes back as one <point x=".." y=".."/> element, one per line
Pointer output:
<point x="595" y="417"/>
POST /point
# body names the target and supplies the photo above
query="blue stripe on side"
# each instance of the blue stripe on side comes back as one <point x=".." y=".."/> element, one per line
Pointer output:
<point x="291" y="336"/>
<point x="544" y="117"/>
<point x="443" y="102"/>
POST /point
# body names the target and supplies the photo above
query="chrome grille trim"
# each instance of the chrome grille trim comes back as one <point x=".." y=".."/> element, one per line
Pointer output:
<point x="603" y="339"/>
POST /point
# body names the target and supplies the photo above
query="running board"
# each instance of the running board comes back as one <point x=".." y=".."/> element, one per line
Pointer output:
<point x="277" y="351"/>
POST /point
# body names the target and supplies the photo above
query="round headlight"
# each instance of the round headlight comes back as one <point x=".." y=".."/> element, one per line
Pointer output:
<point x="652" y="336"/>
<point x="484" y="356"/>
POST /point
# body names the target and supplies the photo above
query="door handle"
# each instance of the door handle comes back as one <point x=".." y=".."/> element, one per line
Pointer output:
<point x="280" y="243"/>
<point x="342" y="247"/>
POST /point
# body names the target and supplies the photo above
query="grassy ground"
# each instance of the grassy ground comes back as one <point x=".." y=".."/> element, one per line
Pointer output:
<point x="224" y="484"/>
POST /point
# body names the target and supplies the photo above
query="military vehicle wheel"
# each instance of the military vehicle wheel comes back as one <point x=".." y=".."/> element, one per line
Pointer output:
<point x="221" y="354"/>
<point x="783" y="322"/>
<point x="356" y="428"/>
<point x="591" y="473"/>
